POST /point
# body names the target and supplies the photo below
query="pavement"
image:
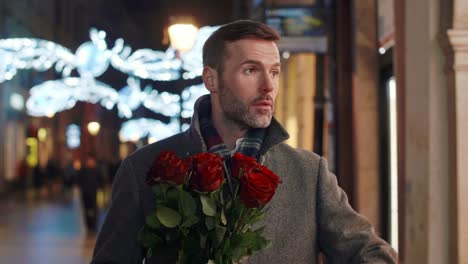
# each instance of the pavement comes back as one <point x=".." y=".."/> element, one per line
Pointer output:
<point x="44" y="229"/>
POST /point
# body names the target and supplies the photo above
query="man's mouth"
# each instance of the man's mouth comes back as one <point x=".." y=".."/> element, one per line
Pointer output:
<point x="264" y="105"/>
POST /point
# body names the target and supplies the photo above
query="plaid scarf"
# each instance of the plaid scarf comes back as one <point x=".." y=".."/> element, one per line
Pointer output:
<point x="248" y="145"/>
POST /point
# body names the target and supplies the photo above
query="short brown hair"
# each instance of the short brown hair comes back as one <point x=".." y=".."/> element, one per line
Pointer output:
<point x="214" y="47"/>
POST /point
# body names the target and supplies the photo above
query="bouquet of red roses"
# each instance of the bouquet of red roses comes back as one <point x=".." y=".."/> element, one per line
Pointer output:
<point x="203" y="214"/>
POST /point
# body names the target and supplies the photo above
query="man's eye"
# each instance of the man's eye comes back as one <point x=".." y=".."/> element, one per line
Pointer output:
<point x="249" y="70"/>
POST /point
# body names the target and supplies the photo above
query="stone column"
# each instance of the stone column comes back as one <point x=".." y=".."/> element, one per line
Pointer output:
<point x="422" y="86"/>
<point x="2" y="107"/>
<point x="459" y="140"/>
<point x="365" y="113"/>
<point x="3" y="125"/>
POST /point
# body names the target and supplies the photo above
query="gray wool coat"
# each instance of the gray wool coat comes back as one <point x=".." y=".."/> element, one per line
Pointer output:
<point x="309" y="213"/>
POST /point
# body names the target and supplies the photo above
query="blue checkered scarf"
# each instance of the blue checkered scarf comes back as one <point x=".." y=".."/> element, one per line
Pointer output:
<point x="248" y="145"/>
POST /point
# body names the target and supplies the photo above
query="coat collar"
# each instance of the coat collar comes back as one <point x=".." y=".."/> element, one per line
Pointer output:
<point x="274" y="135"/>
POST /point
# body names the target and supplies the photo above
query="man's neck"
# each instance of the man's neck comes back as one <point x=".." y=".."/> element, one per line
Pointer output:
<point x="229" y="131"/>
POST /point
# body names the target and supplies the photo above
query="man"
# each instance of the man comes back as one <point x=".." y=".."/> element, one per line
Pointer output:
<point x="309" y="213"/>
<point x="89" y="180"/>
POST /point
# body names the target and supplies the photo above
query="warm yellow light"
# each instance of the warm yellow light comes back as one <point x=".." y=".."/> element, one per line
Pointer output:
<point x="32" y="155"/>
<point x="50" y="114"/>
<point x="182" y="36"/>
<point x="93" y="128"/>
<point x="134" y="138"/>
<point x="151" y="140"/>
<point x="42" y="134"/>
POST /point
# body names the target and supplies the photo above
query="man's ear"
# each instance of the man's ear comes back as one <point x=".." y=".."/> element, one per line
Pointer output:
<point x="210" y="79"/>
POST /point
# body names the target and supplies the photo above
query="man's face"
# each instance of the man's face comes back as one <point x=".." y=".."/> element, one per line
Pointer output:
<point x="249" y="83"/>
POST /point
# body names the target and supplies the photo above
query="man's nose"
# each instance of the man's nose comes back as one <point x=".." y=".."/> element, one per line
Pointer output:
<point x="269" y="83"/>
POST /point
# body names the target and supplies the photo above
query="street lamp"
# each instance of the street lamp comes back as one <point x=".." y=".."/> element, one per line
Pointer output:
<point x="182" y="33"/>
<point x="42" y="134"/>
<point x="93" y="128"/>
<point x="182" y="36"/>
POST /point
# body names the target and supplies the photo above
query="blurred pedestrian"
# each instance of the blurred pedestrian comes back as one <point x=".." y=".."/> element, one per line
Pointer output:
<point x="89" y="180"/>
<point x="39" y="180"/>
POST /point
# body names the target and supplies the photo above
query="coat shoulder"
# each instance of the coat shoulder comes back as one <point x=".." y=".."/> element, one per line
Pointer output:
<point x="179" y="143"/>
<point x="294" y="156"/>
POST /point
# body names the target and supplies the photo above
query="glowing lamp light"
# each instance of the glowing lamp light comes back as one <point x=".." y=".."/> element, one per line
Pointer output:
<point x="182" y="36"/>
<point x="93" y="128"/>
<point x="42" y="134"/>
<point x="151" y="140"/>
<point x="32" y="156"/>
<point x="16" y="101"/>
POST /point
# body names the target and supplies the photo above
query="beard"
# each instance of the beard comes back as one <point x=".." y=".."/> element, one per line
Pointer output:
<point x="243" y="113"/>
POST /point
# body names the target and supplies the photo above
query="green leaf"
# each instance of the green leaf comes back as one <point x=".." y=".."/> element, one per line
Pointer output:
<point x="152" y="220"/>
<point x="148" y="239"/>
<point x="187" y="203"/>
<point x="182" y="257"/>
<point x="210" y="223"/>
<point x="238" y="253"/>
<point x="259" y="216"/>
<point x="172" y="197"/>
<point x="160" y="189"/>
<point x="236" y="192"/>
<point x="208" y="205"/>
<point x="254" y="241"/>
<point x="244" y="244"/>
<point x="157" y="189"/>
<point x="172" y="236"/>
<point x="220" y="197"/>
<point x="228" y="205"/>
<point x="168" y="217"/>
<point x="190" y="221"/>
<point x="220" y="232"/>
<point x="223" y="217"/>
<point x="259" y="230"/>
<point x="203" y="239"/>
<point x="226" y="247"/>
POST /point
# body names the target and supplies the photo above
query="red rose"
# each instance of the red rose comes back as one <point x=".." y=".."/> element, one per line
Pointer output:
<point x="258" y="183"/>
<point x="241" y="162"/>
<point x="207" y="172"/>
<point x="167" y="167"/>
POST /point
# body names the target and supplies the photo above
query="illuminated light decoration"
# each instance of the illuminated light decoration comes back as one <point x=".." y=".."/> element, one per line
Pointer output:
<point x="16" y="101"/>
<point x="91" y="60"/>
<point x="193" y="59"/>
<point x="164" y="103"/>
<point x="189" y="96"/>
<point x="59" y="95"/>
<point x="73" y="135"/>
<point x="6" y="66"/>
<point x="23" y="53"/>
<point x="147" y="63"/>
<point x="131" y="97"/>
<point x="136" y="129"/>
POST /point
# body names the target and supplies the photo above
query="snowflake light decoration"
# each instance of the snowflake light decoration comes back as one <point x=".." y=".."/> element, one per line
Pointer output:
<point x="90" y="61"/>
